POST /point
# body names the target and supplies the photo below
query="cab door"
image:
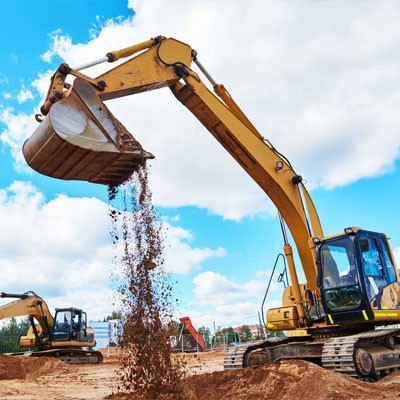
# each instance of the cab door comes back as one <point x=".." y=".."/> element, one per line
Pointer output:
<point x="377" y="267"/>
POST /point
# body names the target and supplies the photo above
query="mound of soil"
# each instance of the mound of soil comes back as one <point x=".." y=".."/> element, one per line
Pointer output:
<point x="21" y="367"/>
<point x="24" y="378"/>
<point x="285" y="380"/>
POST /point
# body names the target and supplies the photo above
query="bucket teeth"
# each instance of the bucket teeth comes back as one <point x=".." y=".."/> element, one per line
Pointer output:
<point x="81" y="140"/>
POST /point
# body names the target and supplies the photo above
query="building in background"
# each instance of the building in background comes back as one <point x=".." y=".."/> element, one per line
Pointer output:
<point x="106" y="333"/>
<point x="256" y="331"/>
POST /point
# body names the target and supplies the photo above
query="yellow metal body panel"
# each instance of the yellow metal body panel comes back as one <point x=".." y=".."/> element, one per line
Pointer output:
<point x="297" y="333"/>
<point x="391" y="296"/>
<point x="29" y="341"/>
<point x="145" y="72"/>
<point x="387" y="315"/>
<point x="282" y="318"/>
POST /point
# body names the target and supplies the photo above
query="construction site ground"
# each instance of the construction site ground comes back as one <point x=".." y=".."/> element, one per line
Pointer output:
<point x="27" y="378"/>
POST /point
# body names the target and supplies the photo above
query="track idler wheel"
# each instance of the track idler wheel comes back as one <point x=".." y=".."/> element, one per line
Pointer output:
<point x="364" y="363"/>
<point x="257" y="357"/>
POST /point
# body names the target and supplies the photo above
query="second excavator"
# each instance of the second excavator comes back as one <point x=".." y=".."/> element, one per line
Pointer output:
<point x="352" y="287"/>
<point x="65" y="336"/>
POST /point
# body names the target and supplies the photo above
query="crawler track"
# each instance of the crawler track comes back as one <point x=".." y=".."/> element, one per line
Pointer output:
<point x="365" y="355"/>
<point x="234" y="359"/>
<point x="70" y="356"/>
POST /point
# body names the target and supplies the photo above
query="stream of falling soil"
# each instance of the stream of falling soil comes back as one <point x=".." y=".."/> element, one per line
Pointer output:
<point x="144" y="292"/>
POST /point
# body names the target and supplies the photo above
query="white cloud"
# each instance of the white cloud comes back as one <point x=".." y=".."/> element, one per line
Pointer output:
<point x="60" y="249"/>
<point x="41" y="85"/>
<point x="3" y="78"/>
<point x="60" y="43"/>
<point x="180" y="256"/>
<point x="234" y="314"/>
<point x="215" y="289"/>
<point x="318" y="80"/>
<point x="18" y="127"/>
<point x="24" y="95"/>
<point x="176" y="218"/>
<point x="228" y="302"/>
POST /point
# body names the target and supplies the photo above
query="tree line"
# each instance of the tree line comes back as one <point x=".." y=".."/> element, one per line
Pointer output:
<point x="10" y="334"/>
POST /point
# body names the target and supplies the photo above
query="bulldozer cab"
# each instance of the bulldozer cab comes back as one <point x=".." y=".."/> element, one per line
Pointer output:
<point x="70" y="325"/>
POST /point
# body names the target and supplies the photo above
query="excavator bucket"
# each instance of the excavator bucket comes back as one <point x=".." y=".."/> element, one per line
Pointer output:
<point x="81" y="140"/>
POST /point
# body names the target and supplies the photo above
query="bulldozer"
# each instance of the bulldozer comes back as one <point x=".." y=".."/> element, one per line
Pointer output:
<point x="340" y="317"/>
<point x="65" y="336"/>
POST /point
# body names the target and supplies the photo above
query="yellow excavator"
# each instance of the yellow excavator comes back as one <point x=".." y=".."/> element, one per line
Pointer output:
<point x="65" y="336"/>
<point x="352" y="289"/>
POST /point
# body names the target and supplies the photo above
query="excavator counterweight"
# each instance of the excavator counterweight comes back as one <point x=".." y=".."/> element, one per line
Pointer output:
<point x="80" y="139"/>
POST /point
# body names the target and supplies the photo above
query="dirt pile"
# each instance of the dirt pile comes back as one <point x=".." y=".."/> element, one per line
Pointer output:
<point x="200" y="363"/>
<point x="285" y="380"/>
<point x="38" y="379"/>
<point x="22" y="367"/>
<point x="146" y="369"/>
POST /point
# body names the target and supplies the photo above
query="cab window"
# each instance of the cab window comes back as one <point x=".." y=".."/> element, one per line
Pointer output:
<point x="340" y="285"/>
<point x="375" y="276"/>
<point x="391" y="274"/>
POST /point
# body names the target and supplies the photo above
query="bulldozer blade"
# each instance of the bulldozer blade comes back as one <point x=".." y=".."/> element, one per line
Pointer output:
<point x="81" y="140"/>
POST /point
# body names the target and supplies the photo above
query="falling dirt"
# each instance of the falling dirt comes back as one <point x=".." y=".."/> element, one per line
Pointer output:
<point x="146" y="368"/>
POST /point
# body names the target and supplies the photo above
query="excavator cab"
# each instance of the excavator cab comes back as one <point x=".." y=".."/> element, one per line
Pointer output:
<point x="355" y="272"/>
<point x="70" y="325"/>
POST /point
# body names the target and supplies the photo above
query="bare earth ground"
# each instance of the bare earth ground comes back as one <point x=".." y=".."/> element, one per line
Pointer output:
<point x="26" y="378"/>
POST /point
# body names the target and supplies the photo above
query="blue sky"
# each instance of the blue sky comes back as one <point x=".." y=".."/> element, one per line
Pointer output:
<point x="319" y="79"/>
